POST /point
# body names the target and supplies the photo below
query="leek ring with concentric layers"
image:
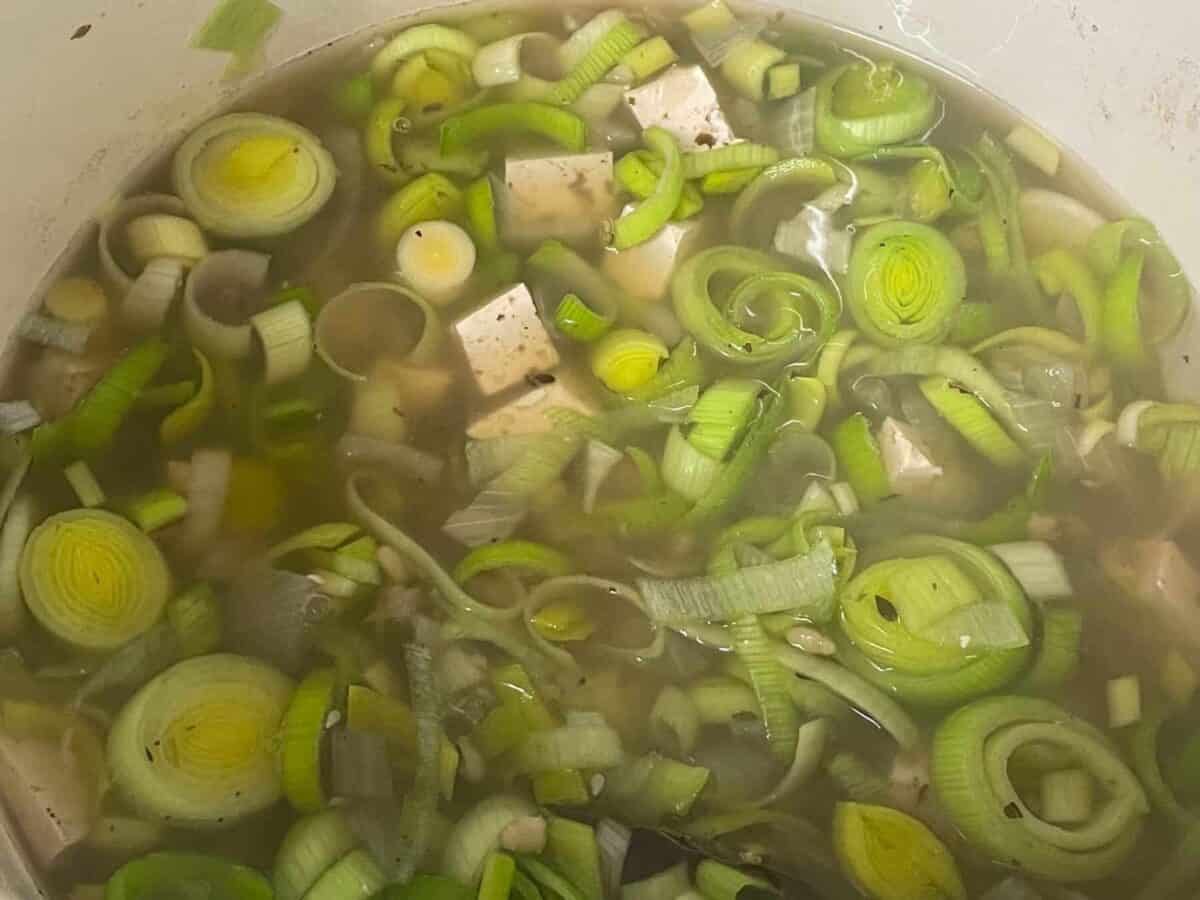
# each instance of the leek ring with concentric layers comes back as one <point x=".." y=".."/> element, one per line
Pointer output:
<point x="93" y="579"/>
<point x="972" y="753"/>
<point x="248" y="175"/>
<point x="196" y="746"/>
<point x="790" y="332"/>
<point x="917" y="580"/>
<point x="905" y="283"/>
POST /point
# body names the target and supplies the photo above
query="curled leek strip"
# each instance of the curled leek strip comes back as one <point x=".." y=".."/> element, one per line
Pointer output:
<point x="867" y="105"/>
<point x="389" y="535"/>
<point x="195" y="747"/>
<point x="600" y="57"/>
<point x="93" y="579"/>
<point x="418" y="39"/>
<point x="554" y="123"/>
<point x="649" y="216"/>
<point x="549" y="593"/>
<point x="806" y="174"/>
<point x="789" y="334"/>
<point x="1061" y="272"/>
<point x="249" y="175"/>
<point x="935" y="621"/>
<point x="1144" y="747"/>
<point x="971" y="754"/>
<point x="905" y="283"/>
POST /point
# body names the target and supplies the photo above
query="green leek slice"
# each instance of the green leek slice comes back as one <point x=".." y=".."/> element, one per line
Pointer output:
<point x="173" y="874"/>
<point x="651" y="214"/>
<point x="867" y="105"/>
<point x="249" y="175"/>
<point x="905" y="283"/>
<point x="792" y="331"/>
<point x="195" y="747"/>
<point x="92" y="579"/>
<point x="970" y="759"/>
<point x="892" y="856"/>
<point x="902" y="614"/>
<point x="303" y="737"/>
<point x="309" y="848"/>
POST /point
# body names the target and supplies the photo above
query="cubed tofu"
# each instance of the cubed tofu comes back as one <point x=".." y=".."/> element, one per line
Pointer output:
<point x="563" y="197"/>
<point x="505" y="341"/>
<point x="47" y="791"/>
<point x="684" y="103"/>
<point x="906" y="459"/>
<point x="645" y="271"/>
<point x="526" y="413"/>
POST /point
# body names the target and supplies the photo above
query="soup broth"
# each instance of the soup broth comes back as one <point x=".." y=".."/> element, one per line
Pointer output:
<point x="604" y="454"/>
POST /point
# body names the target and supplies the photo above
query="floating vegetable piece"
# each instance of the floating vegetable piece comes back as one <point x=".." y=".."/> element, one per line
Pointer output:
<point x="436" y="259"/>
<point x="892" y="856"/>
<point x="972" y="753"/>
<point x="117" y="262"/>
<point x="373" y="321"/>
<point x="221" y="295"/>
<point x="626" y="359"/>
<point x="189" y="418"/>
<point x="165" y="873"/>
<point x="285" y="335"/>
<point x="93" y="579"/>
<point x="249" y="175"/>
<point x="935" y="621"/>
<point x="905" y="283"/>
<point x="195" y="747"/>
<point x="867" y="105"/>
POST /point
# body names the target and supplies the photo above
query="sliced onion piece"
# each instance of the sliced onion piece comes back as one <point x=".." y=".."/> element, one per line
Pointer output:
<point x="93" y="579"/>
<point x="117" y="262"/>
<point x="370" y="321"/>
<point x="249" y="175"/>
<point x="196" y="746"/>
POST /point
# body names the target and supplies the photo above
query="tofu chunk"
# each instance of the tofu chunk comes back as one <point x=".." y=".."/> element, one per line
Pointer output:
<point x="526" y="413"/>
<point x="504" y="341"/>
<point x="47" y="792"/>
<point x="563" y="197"/>
<point x="684" y="103"/>
<point x="907" y="461"/>
<point x="645" y="271"/>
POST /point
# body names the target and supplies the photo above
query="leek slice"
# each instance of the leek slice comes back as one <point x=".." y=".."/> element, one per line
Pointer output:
<point x="918" y="622"/>
<point x="93" y="579"/>
<point x="303" y="734"/>
<point x="809" y="174"/>
<point x="309" y="848"/>
<point x="649" y="216"/>
<point x="892" y="856"/>
<point x="477" y="834"/>
<point x="175" y="874"/>
<point x="971" y="753"/>
<point x="905" y="283"/>
<point x="249" y="175"/>
<point x="373" y="321"/>
<point x="792" y="330"/>
<point x="562" y="127"/>
<point x="195" y="747"/>
<point x="867" y="105"/>
<point x="418" y="39"/>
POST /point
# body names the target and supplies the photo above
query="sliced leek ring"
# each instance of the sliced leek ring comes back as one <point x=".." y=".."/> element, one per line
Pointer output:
<point x="248" y="175"/>
<point x="376" y="320"/>
<point x="222" y="292"/>
<point x="195" y="747"/>
<point x="92" y="579"/>
<point x="117" y="261"/>
<point x="436" y="259"/>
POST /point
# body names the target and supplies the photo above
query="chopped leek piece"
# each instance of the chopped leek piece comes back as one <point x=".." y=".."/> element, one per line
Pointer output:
<point x="650" y="57"/>
<point x="286" y="337"/>
<point x="477" y="833"/>
<point x="92" y="579"/>
<point x="310" y="847"/>
<point x="1124" y="701"/>
<point x="417" y="39"/>
<point x="648" y="217"/>
<point x="303" y="735"/>
<point x="436" y="259"/>
<point x="80" y="300"/>
<point x="605" y="53"/>
<point x="83" y="481"/>
<point x="155" y="509"/>
<point x="249" y="175"/>
<point x="173" y="873"/>
<point x="717" y="881"/>
<point x="867" y="105"/>
<point x="553" y="123"/>
<point x="627" y="358"/>
<point x="1067" y="796"/>
<point x="195" y="746"/>
<point x="432" y="196"/>
<point x="892" y="856"/>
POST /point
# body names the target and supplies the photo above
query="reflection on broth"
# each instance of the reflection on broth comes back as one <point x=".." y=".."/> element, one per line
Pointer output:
<point x="600" y="456"/>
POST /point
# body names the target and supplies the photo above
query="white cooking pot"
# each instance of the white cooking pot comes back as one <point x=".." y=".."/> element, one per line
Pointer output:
<point x="89" y="88"/>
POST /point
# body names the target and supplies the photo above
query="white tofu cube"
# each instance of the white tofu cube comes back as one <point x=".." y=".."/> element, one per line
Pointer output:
<point x="504" y="341"/>
<point x="906" y="459"/>
<point x="684" y="103"/>
<point x="563" y="197"/>
<point x="645" y="271"/>
<point x="526" y="413"/>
